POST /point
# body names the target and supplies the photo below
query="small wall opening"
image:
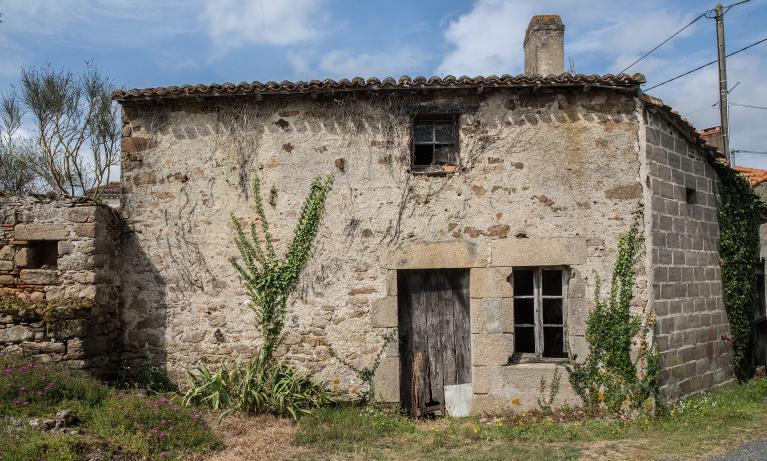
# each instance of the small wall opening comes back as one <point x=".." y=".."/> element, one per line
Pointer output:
<point x="691" y="196"/>
<point x="42" y="254"/>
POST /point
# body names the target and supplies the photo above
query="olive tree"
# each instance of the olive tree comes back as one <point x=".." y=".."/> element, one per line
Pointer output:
<point x="75" y="131"/>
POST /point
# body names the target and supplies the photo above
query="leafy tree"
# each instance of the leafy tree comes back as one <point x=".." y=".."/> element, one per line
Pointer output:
<point x="15" y="177"/>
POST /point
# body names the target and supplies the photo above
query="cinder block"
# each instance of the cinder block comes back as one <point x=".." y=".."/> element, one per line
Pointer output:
<point x="490" y="282"/>
<point x="383" y="312"/>
<point x="386" y="380"/>
<point x="492" y="315"/>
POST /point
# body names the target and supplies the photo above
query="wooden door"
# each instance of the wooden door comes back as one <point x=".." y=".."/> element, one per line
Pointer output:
<point x="434" y="336"/>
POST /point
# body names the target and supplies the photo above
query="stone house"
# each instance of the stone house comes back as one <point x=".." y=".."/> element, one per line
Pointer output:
<point x="471" y="215"/>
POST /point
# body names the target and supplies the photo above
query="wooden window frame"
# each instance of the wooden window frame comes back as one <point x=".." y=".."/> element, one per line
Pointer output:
<point x="538" y="297"/>
<point x="435" y="119"/>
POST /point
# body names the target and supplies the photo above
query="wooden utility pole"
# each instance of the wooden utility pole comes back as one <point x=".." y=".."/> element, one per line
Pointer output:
<point x="723" y="112"/>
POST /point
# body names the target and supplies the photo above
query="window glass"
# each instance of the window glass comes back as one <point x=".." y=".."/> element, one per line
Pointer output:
<point x="422" y="133"/>
<point x="524" y="339"/>
<point x="553" y="342"/>
<point x="524" y="311"/>
<point x="523" y="282"/>
<point x="551" y="281"/>
<point x="552" y="311"/>
<point x="444" y="133"/>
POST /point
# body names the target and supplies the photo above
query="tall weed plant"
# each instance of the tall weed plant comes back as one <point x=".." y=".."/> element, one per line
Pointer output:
<point x="264" y="383"/>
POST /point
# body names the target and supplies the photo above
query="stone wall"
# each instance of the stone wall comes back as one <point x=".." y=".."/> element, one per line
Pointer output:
<point x="683" y="246"/>
<point x="58" y="289"/>
<point x="546" y="179"/>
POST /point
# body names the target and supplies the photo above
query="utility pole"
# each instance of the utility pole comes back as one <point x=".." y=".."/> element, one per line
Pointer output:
<point x="725" y="118"/>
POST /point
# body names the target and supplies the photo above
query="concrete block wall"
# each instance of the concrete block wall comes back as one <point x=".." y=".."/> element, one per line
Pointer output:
<point x="58" y="286"/>
<point x="683" y="247"/>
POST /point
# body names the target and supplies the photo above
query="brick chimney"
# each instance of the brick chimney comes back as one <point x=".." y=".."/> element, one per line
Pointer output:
<point x="713" y="137"/>
<point x="545" y="45"/>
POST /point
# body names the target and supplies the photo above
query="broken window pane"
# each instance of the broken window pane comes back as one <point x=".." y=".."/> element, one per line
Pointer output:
<point x="524" y="339"/>
<point x="423" y="155"/>
<point x="524" y="311"/>
<point x="443" y="154"/>
<point x="553" y="342"/>
<point x="552" y="311"/>
<point x="435" y="141"/>
<point x="523" y="282"/>
<point x="552" y="282"/>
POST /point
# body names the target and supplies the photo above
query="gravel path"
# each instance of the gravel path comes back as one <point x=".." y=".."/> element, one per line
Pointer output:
<point x="755" y="450"/>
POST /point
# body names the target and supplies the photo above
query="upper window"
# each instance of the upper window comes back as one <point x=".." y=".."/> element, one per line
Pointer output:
<point x="435" y="142"/>
<point x="539" y="312"/>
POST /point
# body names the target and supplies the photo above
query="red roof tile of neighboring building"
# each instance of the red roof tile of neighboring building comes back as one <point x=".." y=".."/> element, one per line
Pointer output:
<point x="754" y="175"/>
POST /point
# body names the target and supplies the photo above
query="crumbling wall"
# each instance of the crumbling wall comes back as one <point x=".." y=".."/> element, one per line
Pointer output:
<point x="693" y="332"/>
<point x="546" y="179"/>
<point x="58" y="288"/>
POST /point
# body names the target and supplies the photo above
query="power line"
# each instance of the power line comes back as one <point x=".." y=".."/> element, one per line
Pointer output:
<point x="706" y="65"/>
<point x="664" y="42"/>
<point x="749" y="106"/>
<point x="740" y="151"/>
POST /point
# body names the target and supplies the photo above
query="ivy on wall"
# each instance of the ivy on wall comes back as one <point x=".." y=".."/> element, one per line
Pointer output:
<point x="610" y="378"/>
<point x="739" y="211"/>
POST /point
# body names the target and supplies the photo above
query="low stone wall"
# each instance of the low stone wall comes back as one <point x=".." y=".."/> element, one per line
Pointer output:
<point x="58" y="290"/>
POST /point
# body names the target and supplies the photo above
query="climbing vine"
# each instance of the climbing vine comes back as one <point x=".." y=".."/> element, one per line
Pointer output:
<point x="270" y="279"/>
<point x="610" y="376"/>
<point x="739" y="214"/>
<point x="366" y="374"/>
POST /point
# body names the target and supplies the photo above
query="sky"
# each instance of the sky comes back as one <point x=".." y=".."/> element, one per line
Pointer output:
<point x="144" y="43"/>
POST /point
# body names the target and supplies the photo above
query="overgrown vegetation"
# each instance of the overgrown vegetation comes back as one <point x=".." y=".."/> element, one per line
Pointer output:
<point x="366" y="374"/>
<point x="739" y="211"/>
<point x="110" y="423"/>
<point x="258" y="385"/>
<point x="610" y="377"/>
<point x="265" y="384"/>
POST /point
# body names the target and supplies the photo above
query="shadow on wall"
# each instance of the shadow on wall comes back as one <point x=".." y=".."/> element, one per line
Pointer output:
<point x="144" y="307"/>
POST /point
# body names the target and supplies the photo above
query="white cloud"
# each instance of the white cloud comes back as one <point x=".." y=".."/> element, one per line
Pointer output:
<point x="233" y="23"/>
<point x="347" y="64"/>
<point x="489" y="38"/>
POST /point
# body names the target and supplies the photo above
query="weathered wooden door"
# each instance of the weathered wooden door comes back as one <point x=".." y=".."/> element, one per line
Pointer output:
<point x="434" y="336"/>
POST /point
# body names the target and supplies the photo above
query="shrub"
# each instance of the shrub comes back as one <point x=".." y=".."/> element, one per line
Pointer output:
<point x="31" y="444"/>
<point x="259" y="385"/>
<point x="32" y="389"/>
<point x="151" y="426"/>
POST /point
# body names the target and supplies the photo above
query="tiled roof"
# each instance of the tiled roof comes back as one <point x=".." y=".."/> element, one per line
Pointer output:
<point x="681" y="122"/>
<point x="389" y="83"/>
<point x="754" y="175"/>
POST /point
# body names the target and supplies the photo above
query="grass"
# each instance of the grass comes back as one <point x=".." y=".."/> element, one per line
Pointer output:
<point x="114" y="424"/>
<point x="694" y="426"/>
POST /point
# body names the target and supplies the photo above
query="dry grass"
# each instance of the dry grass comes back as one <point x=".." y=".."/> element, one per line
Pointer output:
<point x="253" y="438"/>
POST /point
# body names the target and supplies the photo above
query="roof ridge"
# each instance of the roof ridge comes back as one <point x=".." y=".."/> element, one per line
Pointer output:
<point x="373" y="83"/>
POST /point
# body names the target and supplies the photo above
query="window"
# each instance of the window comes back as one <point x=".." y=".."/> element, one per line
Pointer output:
<point x="435" y="142"/>
<point x="539" y="313"/>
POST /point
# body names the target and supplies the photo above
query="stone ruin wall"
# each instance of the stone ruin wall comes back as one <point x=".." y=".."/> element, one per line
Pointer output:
<point x="58" y="287"/>
<point x="549" y="179"/>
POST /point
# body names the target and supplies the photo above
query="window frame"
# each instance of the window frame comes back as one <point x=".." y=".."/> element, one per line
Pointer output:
<point x="450" y="118"/>
<point x="538" y="326"/>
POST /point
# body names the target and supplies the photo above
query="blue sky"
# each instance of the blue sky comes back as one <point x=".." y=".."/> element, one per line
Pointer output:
<point x="142" y="43"/>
